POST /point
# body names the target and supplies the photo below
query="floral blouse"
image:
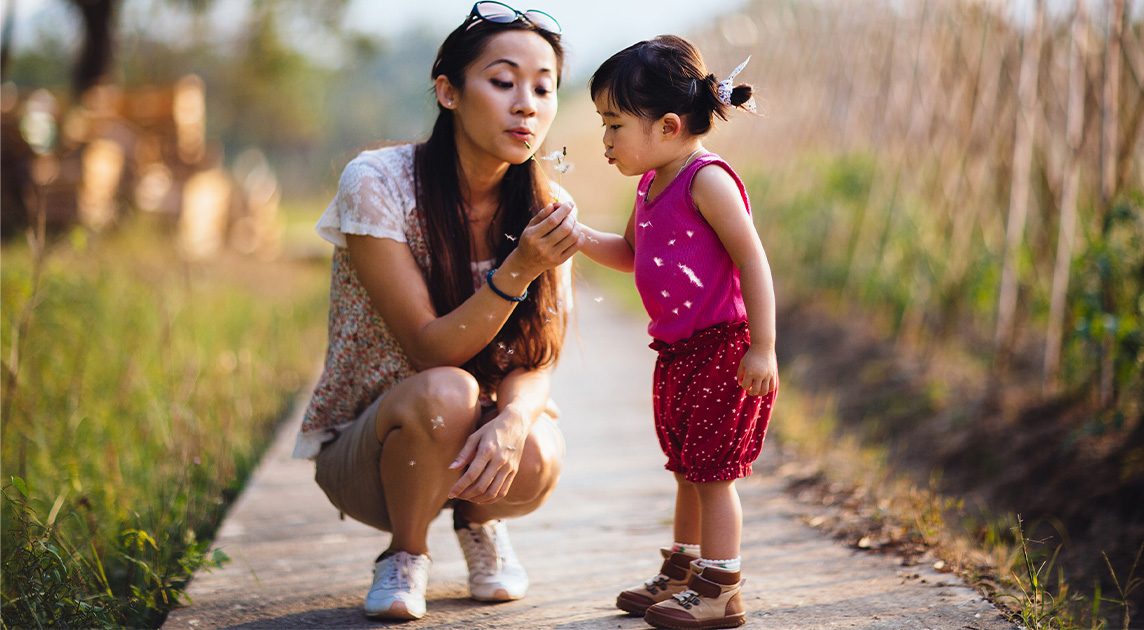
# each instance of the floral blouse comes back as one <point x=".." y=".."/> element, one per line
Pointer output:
<point x="376" y="197"/>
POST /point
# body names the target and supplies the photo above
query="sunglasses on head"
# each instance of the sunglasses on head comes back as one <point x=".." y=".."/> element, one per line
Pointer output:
<point x="500" y="13"/>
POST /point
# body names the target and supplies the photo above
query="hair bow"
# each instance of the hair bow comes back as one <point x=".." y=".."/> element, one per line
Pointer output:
<point x="723" y="91"/>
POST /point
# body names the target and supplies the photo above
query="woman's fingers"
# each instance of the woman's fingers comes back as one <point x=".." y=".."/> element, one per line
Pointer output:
<point x="488" y="475"/>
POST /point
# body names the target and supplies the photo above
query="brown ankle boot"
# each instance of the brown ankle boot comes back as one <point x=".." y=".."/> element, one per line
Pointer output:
<point x="672" y="579"/>
<point x="712" y="600"/>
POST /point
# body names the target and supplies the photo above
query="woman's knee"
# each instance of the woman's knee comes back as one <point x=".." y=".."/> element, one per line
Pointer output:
<point x="540" y="466"/>
<point x="442" y="403"/>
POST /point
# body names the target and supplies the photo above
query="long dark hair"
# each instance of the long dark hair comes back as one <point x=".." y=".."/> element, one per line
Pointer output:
<point x="665" y="75"/>
<point x="534" y="334"/>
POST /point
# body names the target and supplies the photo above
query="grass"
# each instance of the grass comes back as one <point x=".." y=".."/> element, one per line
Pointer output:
<point x="139" y="392"/>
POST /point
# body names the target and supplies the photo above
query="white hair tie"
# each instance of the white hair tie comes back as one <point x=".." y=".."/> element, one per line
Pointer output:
<point x="723" y="91"/>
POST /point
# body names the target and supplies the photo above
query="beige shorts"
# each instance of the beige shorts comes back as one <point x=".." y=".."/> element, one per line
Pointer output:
<point x="348" y="468"/>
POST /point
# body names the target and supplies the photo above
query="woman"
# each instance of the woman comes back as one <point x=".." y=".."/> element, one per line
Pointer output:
<point x="447" y="311"/>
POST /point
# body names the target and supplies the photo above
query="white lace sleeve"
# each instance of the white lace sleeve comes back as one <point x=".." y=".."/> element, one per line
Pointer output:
<point x="375" y="197"/>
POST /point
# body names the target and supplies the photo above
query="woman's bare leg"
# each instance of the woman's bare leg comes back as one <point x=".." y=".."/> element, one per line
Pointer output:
<point x="422" y="424"/>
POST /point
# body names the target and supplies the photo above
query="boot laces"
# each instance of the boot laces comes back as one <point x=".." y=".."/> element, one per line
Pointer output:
<point x="687" y="598"/>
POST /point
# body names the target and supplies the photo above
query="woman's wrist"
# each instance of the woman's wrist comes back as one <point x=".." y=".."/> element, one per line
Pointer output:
<point x="512" y="277"/>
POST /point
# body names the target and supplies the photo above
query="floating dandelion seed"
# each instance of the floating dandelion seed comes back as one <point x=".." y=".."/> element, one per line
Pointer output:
<point x="687" y="304"/>
<point x="437" y="422"/>
<point x="551" y="310"/>
<point x="658" y="261"/>
<point x="671" y="242"/>
<point x="463" y="326"/>
<point x="562" y="166"/>
<point x="691" y="275"/>
<point x="665" y="294"/>
<point x="412" y="463"/>
<point x="675" y="310"/>
<point x="599" y="299"/>
<point x="646" y="224"/>
<point x="690" y="233"/>
<point x="510" y="237"/>
<point x="513" y="274"/>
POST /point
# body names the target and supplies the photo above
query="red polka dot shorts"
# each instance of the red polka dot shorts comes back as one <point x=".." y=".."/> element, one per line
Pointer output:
<point x="707" y="425"/>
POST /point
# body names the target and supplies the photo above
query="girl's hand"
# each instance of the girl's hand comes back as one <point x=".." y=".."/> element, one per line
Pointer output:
<point x="758" y="370"/>
<point x="550" y="238"/>
<point x="491" y="459"/>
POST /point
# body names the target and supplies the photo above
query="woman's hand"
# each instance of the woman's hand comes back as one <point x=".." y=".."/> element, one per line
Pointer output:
<point x="491" y="458"/>
<point x="550" y="238"/>
<point x="758" y="370"/>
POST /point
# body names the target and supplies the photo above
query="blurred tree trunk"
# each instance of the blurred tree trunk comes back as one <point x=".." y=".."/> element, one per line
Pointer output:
<point x="1110" y="111"/>
<point x="1066" y="234"/>
<point x="1019" y="189"/>
<point x="6" y="38"/>
<point x="98" y="42"/>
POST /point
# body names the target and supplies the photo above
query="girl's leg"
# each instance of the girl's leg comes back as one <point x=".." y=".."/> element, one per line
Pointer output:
<point x="687" y="525"/>
<point x="422" y="423"/>
<point x="721" y="521"/>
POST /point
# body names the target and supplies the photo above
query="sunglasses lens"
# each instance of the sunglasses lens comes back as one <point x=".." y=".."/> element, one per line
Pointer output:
<point x="494" y="12"/>
<point x="542" y="20"/>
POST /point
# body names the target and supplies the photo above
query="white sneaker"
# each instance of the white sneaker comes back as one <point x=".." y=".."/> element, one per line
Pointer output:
<point x="495" y="573"/>
<point x="398" y="590"/>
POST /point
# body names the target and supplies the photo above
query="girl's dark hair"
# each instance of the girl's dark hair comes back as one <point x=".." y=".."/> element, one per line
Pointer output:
<point x="661" y="76"/>
<point x="534" y="334"/>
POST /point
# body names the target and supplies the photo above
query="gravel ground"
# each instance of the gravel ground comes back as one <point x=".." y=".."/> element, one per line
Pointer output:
<point x="296" y="565"/>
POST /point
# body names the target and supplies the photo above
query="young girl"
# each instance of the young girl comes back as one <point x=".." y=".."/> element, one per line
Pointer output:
<point x="704" y="279"/>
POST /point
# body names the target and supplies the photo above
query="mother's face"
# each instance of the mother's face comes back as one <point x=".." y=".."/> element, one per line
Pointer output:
<point x="508" y="101"/>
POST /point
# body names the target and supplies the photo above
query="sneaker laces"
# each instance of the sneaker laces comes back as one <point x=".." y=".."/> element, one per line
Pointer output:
<point x="399" y="573"/>
<point x="483" y="549"/>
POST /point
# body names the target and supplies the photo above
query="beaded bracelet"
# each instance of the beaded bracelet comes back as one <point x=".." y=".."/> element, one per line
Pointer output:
<point x="489" y="279"/>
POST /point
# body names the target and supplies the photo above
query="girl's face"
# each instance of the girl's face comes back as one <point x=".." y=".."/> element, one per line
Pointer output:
<point x="628" y="139"/>
<point x="508" y="101"/>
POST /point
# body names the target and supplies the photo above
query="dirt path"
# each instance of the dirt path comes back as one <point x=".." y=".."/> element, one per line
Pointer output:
<point x="295" y="565"/>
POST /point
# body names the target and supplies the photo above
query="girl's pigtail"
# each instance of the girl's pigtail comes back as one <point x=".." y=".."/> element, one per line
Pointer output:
<point x="741" y="94"/>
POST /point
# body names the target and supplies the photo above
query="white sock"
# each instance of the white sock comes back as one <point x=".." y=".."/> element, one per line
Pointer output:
<point x="732" y="564"/>
<point x="691" y="550"/>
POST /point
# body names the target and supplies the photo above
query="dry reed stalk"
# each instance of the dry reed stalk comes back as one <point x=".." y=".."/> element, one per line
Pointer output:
<point x="1066" y="234"/>
<point x="1019" y="191"/>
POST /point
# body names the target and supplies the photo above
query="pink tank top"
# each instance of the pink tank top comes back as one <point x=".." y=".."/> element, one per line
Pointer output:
<point x="685" y="277"/>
